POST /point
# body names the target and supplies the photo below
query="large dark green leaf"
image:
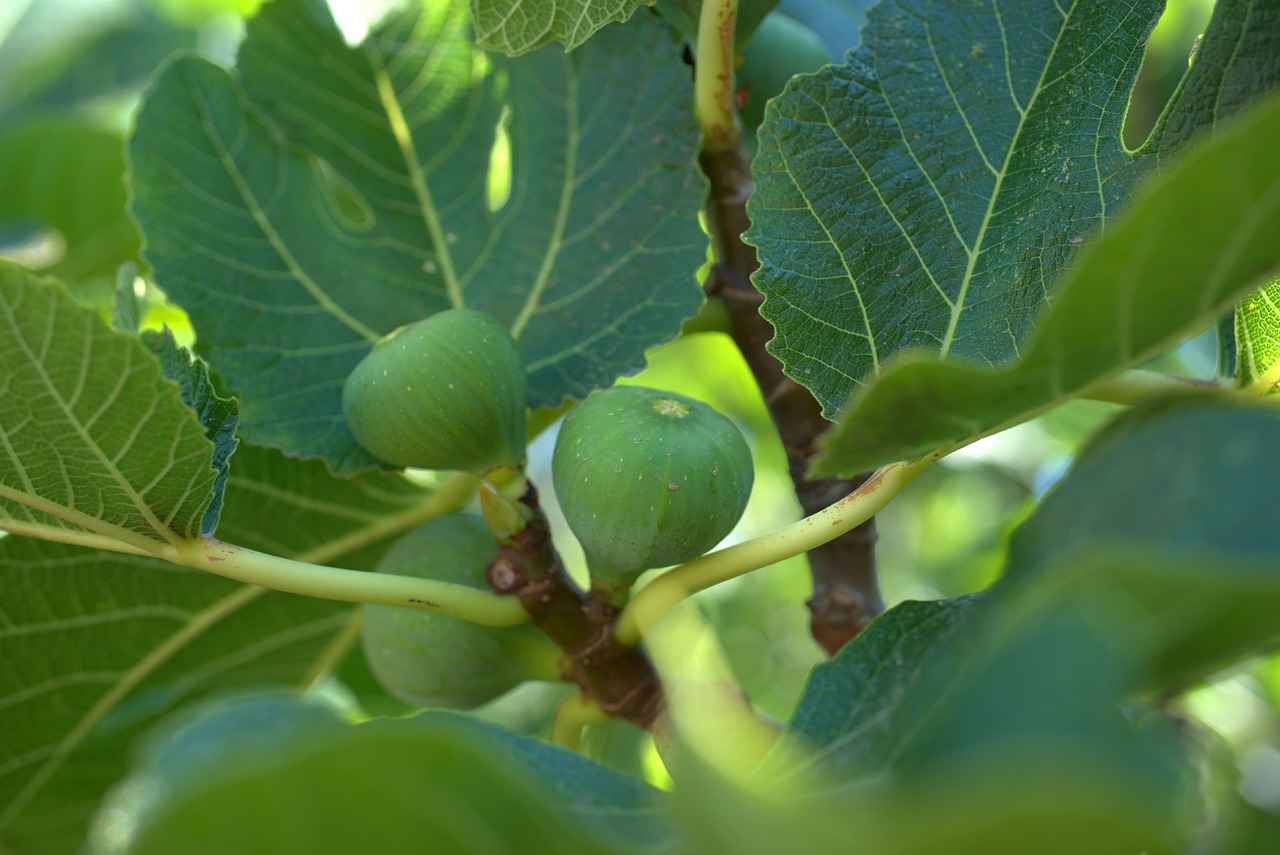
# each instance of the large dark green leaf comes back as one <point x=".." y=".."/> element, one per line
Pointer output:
<point x="94" y="647"/>
<point x="927" y="195"/>
<point x="1163" y="271"/>
<point x="1166" y="521"/>
<point x="848" y="721"/>
<point x="291" y="266"/>
<point x="264" y="773"/>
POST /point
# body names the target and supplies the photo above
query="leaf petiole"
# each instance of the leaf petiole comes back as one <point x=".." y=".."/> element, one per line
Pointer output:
<point x="654" y="599"/>
<point x="355" y="586"/>
<point x="572" y="717"/>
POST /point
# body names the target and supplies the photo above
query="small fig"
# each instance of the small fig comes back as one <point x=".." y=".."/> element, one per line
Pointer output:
<point x="435" y="660"/>
<point x="648" y="479"/>
<point x="446" y="392"/>
<point x="780" y="48"/>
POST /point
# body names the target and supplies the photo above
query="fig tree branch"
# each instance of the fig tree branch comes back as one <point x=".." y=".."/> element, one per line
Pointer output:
<point x="846" y="591"/>
<point x="620" y="679"/>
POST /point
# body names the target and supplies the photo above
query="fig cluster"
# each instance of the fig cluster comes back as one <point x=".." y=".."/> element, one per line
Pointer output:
<point x="434" y="660"/>
<point x="648" y="479"/>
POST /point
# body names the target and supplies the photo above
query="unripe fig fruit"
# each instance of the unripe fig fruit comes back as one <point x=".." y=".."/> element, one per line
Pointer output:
<point x="446" y="392"/>
<point x="435" y="660"/>
<point x="780" y="48"/>
<point x="648" y="479"/>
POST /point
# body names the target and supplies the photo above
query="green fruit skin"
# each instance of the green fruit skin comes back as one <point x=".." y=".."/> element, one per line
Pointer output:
<point x="780" y="48"/>
<point x="648" y="479"/>
<point x="433" y="660"/>
<point x="446" y="392"/>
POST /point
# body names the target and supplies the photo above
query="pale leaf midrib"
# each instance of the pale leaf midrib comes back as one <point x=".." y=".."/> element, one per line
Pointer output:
<point x="1014" y="143"/>
<point x="37" y="369"/>
<point x="556" y="240"/>
<point x="417" y="179"/>
<point x="250" y="201"/>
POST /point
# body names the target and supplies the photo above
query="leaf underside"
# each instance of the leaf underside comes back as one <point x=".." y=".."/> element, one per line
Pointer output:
<point x="515" y="26"/>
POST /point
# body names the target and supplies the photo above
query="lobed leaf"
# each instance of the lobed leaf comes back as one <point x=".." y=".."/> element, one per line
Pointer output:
<point x="927" y="195"/>
<point x="1163" y="271"/>
<point x="293" y="257"/>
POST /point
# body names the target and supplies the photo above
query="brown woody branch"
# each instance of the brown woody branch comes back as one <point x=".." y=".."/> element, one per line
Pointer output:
<point x="620" y="679"/>
<point x="846" y="592"/>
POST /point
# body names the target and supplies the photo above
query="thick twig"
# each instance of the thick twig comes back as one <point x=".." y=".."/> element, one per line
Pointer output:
<point x="620" y="679"/>
<point x="846" y="592"/>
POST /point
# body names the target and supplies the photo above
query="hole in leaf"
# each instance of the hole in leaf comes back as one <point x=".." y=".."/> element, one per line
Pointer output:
<point x="348" y="204"/>
<point x="498" y="182"/>
<point x="1163" y="65"/>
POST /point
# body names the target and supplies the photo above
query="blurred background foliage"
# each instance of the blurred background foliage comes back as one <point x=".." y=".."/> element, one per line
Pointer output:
<point x="71" y="72"/>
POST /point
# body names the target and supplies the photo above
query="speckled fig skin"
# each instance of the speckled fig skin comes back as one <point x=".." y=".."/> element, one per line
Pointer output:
<point x="446" y="392"/>
<point x="434" y="660"/>
<point x="648" y="479"/>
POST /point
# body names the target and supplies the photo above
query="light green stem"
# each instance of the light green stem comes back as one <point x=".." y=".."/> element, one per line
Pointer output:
<point x="675" y="585"/>
<point x="1137" y="385"/>
<point x="713" y="89"/>
<point x="353" y="586"/>
<point x="572" y="716"/>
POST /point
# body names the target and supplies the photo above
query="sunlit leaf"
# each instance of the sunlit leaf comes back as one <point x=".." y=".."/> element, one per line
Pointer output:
<point x="95" y="440"/>
<point x="1257" y="336"/>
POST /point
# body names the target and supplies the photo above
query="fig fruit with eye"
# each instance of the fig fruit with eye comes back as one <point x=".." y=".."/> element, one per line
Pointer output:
<point x="648" y="479"/>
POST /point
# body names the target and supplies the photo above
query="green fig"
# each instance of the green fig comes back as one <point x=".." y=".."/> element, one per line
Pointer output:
<point x="434" y="660"/>
<point x="446" y="392"/>
<point x="780" y="48"/>
<point x="648" y="479"/>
